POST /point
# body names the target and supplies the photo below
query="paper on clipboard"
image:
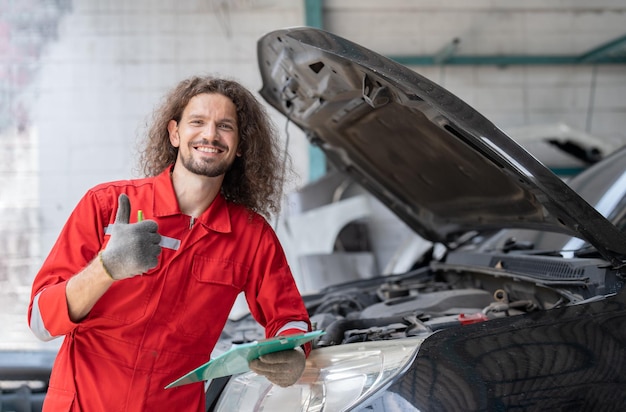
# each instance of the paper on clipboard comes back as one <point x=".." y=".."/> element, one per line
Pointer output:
<point x="235" y="360"/>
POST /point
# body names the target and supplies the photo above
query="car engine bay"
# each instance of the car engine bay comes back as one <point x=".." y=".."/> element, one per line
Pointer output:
<point x="467" y="288"/>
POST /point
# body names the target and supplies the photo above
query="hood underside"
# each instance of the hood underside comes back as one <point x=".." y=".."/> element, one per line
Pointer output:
<point x="441" y="166"/>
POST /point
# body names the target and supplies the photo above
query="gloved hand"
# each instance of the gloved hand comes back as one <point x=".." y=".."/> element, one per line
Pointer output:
<point x="133" y="248"/>
<point x="282" y="368"/>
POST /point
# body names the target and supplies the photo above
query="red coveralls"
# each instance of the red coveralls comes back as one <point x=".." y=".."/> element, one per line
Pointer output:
<point x="149" y="330"/>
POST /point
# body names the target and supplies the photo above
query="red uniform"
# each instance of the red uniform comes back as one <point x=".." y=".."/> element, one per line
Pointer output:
<point x="148" y="330"/>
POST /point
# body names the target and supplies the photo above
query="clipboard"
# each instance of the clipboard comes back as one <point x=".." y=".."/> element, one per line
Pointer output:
<point x="235" y="360"/>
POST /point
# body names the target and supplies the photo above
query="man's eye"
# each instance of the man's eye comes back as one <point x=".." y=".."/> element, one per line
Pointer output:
<point x="226" y="126"/>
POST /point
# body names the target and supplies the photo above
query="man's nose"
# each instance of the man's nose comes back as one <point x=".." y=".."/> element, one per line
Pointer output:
<point x="210" y="130"/>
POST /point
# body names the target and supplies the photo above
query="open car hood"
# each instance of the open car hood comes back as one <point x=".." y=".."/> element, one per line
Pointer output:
<point x="441" y="166"/>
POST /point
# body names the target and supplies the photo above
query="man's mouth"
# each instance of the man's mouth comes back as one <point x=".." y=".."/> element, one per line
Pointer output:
<point x="205" y="146"/>
<point x="205" y="149"/>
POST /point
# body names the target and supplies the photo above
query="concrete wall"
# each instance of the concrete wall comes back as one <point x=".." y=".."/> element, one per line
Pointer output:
<point x="86" y="97"/>
<point x="585" y="97"/>
<point x="26" y="30"/>
<point x="80" y="79"/>
<point x="116" y="59"/>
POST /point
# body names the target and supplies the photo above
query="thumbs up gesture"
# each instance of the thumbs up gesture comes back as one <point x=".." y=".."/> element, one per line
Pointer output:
<point x="133" y="248"/>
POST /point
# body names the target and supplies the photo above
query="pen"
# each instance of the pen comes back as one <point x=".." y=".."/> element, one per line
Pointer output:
<point x="139" y="215"/>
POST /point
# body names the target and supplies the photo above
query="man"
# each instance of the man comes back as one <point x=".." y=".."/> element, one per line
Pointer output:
<point x="143" y="301"/>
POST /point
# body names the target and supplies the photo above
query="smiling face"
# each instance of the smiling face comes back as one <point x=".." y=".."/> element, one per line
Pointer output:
<point x="207" y="135"/>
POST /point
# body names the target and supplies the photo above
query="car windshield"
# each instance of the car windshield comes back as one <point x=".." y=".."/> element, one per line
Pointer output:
<point x="604" y="187"/>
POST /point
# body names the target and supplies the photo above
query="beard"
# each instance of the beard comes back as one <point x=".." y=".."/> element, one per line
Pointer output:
<point x="205" y="167"/>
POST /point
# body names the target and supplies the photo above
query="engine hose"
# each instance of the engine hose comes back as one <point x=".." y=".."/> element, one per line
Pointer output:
<point x="335" y="331"/>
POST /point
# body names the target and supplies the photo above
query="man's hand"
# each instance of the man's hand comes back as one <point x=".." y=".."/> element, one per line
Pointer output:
<point x="133" y="248"/>
<point x="282" y="368"/>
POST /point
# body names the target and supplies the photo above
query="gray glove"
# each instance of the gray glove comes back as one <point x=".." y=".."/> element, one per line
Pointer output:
<point x="133" y="248"/>
<point x="282" y="368"/>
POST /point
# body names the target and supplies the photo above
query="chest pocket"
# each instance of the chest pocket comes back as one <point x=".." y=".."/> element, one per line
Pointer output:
<point x="127" y="300"/>
<point x="211" y="291"/>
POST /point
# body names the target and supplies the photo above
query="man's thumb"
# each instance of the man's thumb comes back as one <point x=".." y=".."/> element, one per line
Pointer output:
<point x="123" y="209"/>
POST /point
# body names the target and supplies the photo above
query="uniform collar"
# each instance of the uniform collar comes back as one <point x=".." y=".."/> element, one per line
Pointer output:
<point x="216" y="217"/>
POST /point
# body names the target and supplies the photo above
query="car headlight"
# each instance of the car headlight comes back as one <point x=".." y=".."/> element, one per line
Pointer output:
<point x="336" y="378"/>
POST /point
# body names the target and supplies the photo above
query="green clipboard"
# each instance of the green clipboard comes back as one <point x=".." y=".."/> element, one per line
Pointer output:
<point x="235" y="360"/>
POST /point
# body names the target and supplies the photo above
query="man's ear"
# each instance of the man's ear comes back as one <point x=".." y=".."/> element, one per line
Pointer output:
<point x="239" y="152"/>
<point x="172" y="128"/>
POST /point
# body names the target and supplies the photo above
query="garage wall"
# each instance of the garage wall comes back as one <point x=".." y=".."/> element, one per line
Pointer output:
<point x="586" y="97"/>
<point x="84" y="76"/>
<point x="113" y="62"/>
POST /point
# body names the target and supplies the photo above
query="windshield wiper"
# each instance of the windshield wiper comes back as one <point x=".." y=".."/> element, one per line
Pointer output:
<point x="514" y="244"/>
<point x="587" y="251"/>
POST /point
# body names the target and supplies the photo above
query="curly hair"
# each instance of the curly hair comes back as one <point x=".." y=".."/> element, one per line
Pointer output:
<point x="256" y="178"/>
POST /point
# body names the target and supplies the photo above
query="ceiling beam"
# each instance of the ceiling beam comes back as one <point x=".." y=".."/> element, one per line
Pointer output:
<point x="613" y="52"/>
<point x="482" y="60"/>
<point x="313" y="13"/>
<point x="614" y="49"/>
<point x="314" y="17"/>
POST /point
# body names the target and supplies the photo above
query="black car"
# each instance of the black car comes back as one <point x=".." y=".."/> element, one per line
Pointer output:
<point x="519" y="303"/>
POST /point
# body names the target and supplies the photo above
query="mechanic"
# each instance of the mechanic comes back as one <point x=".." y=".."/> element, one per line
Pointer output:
<point x="145" y="272"/>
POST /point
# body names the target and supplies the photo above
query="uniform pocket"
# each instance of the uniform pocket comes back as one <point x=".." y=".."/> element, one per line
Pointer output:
<point x="126" y="300"/>
<point x="218" y="272"/>
<point x="58" y="400"/>
<point x="211" y="292"/>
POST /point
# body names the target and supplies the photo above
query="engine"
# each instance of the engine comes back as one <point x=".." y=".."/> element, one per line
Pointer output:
<point x="410" y="305"/>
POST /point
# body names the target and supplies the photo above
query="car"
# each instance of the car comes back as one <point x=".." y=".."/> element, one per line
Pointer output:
<point x="24" y="377"/>
<point x="518" y="305"/>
